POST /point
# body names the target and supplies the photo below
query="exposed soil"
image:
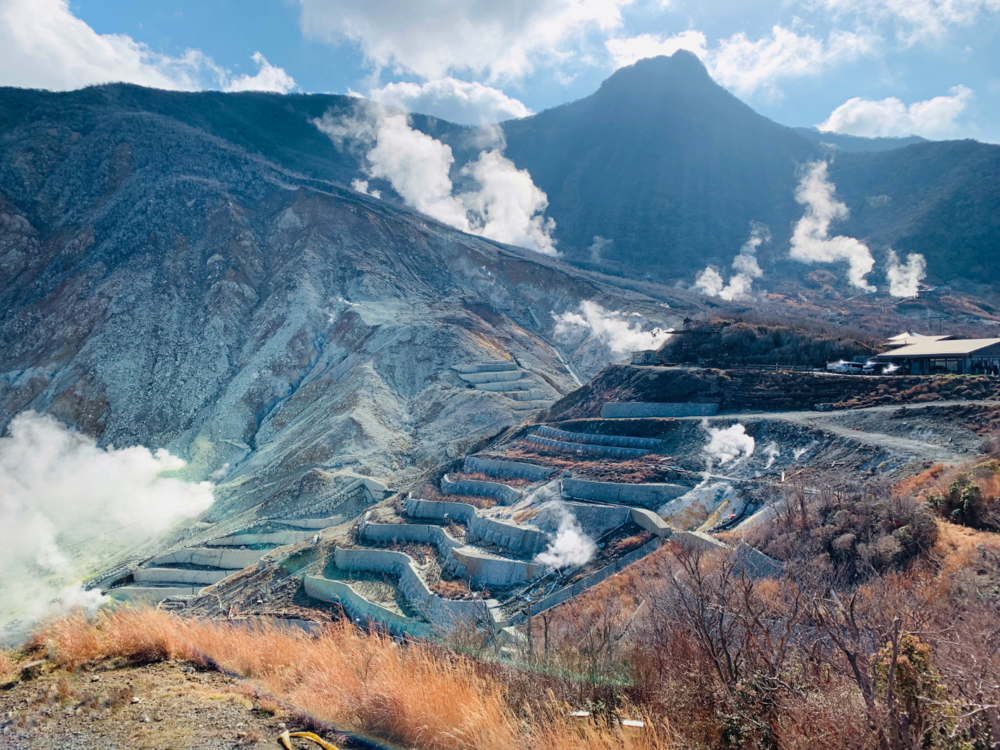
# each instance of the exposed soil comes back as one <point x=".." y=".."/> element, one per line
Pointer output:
<point x="168" y="706"/>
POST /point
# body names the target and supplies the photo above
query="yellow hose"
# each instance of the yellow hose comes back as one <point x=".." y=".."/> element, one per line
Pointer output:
<point x="285" y="739"/>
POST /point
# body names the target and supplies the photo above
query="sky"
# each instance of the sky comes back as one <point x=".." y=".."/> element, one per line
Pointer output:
<point x="862" y="67"/>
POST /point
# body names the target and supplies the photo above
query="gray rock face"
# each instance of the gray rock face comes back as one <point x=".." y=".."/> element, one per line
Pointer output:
<point x="161" y="286"/>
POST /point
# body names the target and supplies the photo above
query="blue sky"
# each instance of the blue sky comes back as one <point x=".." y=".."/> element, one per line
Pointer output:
<point x="868" y="67"/>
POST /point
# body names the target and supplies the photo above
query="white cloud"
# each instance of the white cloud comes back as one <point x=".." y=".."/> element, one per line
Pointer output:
<point x="507" y="206"/>
<point x="612" y="328"/>
<point x="43" y="45"/>
<point x="746" y="66"/>
<point x="437" y="37"/>
<point x="915" y="20"/>
<point x="811" y="242"/>
<point x="457" y="101"/>
<point x="891" y="117"/>
<point x="268" y="78"/>
<point x="58" y="489"/>
<point x="626" y="51"/>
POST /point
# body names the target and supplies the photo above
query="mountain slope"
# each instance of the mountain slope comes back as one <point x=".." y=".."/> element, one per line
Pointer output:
<point x="672" y="168"/>
<point x="164" y="287"/>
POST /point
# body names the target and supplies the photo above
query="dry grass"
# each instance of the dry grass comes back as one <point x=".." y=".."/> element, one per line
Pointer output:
<point x="8" y="666"/>
<point x="478" y="476"/>
<point x="411" y="694"/>
<point x="451" y="589"/>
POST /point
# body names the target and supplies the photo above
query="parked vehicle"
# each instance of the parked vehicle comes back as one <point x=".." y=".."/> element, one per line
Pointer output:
<point x="845" y="368"/>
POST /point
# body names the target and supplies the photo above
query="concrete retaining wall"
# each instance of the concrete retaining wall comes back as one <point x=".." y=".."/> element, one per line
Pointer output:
<point x="501" y="366"/>
<point x="440" y="612"/>
<point x="697" y="540"/>
<point x="492" y="571"/>
<point x="535" y="394"/>
<point x="461" y="512"/>
<point x="518" y="540"/>
<point x="649" y="521"/>
<point x="357" y="607"/>
<point x="491" y="377"/>
<point x="592" y="580"/>
<point x="406" y="532"/>
<point x="619" y="441"/>
<point x="180" y="575"/>
<point x="598" y="520"/>
<point x="151" y="593"/>
<point x="510" y="385"/>
<point x="226" y="559"/>
<point x="498" y="468"/>
<point x="590" y="450"/>
<point x="315" y="524"/>
<point x="502" y="493"/>
<point x="638" y="409"/>
<point x="530" y="405"/>
<point x="652" y="495"/>
<point x="278" y="538"/>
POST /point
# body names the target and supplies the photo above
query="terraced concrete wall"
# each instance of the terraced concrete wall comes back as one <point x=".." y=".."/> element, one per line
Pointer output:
<point x="518" y="540"/>
<point x="180" y="575"/>
<point x="490" y="377"/>
<point x="227" y="559"/>
<point x="151" y="593"/>
<point x="407" y="532"/>
<point x="485" y="367"/>
<point x="588" y="450"/>
<point x="697" y="540"/>
<point x="441" y="612"/>
<point x="501" y="492"/>
<point x="649" y="521"/>
<point x="492" y="571"/>
<point x="278" y="538"/>
<point x="619" y="441"/>
<point x="462" y="512"/>
<point x="358" y="607"/>
<point x="510" y="385"/>
<point x="585" y="583"/>
<point x="498" y="468"/>
<point x="639" y="409"/>
<point x="598" y="520"/>
<point x="652" y="495"/>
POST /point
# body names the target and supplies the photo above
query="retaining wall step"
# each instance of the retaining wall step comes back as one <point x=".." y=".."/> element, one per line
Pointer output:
<point x="152" y="594"/>
<point x="592" y="450"/>
<point x="619" y="441"/>
<point x="500" y="492"/>
<point x="524" y="384"/>
<point x="498" y="366"/>
<point x="180" y="576"/>
<point x="530" y="405"/>
<point x="651" y="494"/>
<point x="501" y="469"/>
<point x="491" y="377"/>
<point x="639" y="409"/>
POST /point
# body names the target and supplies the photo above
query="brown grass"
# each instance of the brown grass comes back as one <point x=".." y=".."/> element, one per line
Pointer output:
<point x="8" y="666"/>
<point x="451" y="589"/>
<point x="478" y="476"/>
<point x="411" y="694"/>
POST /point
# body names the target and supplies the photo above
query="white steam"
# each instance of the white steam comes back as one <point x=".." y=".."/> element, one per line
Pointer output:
<point x="507" y="206"/>
<point x="729" y="443"/>
<point x="58" y="489"/>
<point x="597" y="247"/>
<point x="745" y="264"/>
<point x="811" y="242"/>
<point x="571" y="547"/>
<point x="772" y="452"/>
<point x="904" y="279"/>
<point x="611" y="328"/>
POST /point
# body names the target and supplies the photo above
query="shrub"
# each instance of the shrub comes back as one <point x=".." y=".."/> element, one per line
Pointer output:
<point x="971" y="500"/>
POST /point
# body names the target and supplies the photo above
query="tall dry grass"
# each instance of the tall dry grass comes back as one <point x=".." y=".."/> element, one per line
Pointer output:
<point x="8" y="666"/>
<point x="410" y="694"/>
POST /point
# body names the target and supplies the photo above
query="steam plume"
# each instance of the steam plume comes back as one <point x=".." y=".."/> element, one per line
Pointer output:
<point x="745" y="264"/>
<point x="611" y="328"/>
<point x="58" y="489"/>
<point x="570" y="548"/>
<point x="507" y="206"/>
<point x="904" y="280"/>
<point x="729" y="443"/>
<point x="811" y="242"/>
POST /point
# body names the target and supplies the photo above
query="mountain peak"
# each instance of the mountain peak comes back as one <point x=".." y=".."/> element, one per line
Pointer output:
<point x="680" y="67"/>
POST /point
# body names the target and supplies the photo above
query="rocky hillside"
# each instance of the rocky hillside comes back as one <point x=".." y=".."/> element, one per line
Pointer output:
<point x="160" y="285"/>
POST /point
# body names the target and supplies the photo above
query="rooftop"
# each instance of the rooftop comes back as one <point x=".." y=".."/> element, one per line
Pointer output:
<point x="932" y="347"/>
